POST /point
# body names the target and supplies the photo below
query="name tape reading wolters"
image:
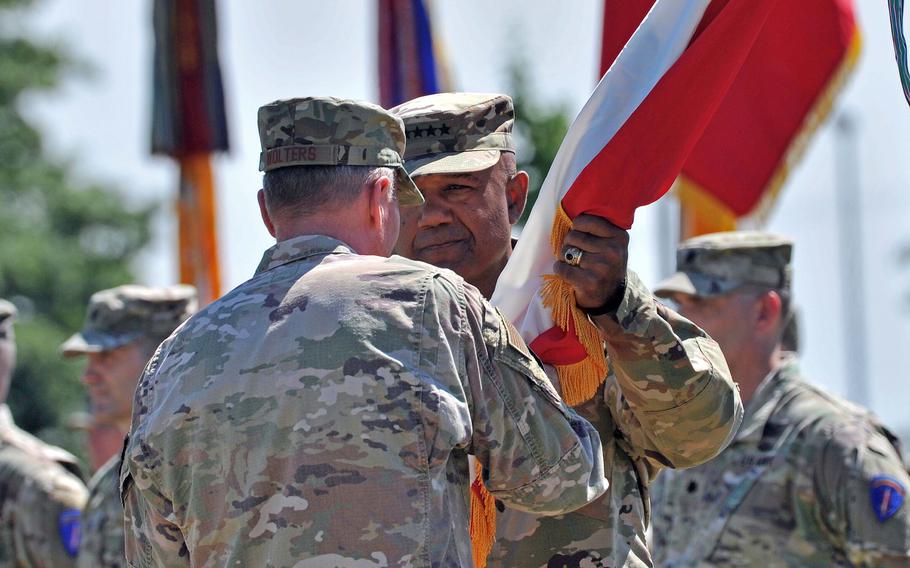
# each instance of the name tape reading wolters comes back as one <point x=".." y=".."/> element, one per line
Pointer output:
<point x="295" y="154"/>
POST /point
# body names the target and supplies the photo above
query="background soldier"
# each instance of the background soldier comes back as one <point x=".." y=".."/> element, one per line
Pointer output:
<point x="810" y="479"/>
<point x="123" y="327"/>
<point x="670" y="401"/>
<point x="40" y="494"/>
<point x="322" y="413"/>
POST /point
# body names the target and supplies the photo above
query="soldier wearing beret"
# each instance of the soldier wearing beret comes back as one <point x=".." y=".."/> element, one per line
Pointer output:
<point x="41" y="492"/>
<point x="669" y="401"/>
<point x="322" y="413"/>
<point x="810" y="479"/>
<point x="123" y="327"/>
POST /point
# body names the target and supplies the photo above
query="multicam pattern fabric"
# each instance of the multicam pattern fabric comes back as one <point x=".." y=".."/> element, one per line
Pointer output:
<point x="118" y="316"/>
<point x="456" y="132"/>
<point x="793" y="489"/>
<point x="718" y="263"/>
<point x="322" y="413"/>
<point x="102" y="520"/>
<point x="669" y="402"/>
<point x="327" y="131"/>
<point x="40" y="499"/>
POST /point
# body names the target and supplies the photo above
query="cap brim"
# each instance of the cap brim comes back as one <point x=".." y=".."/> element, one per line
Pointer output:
<point x="453" y="162"/>
<point x="696" y="284"/>
<point x="84" y="343"/>
<point x="408" y="194"/>
<point x="678" y="283"/>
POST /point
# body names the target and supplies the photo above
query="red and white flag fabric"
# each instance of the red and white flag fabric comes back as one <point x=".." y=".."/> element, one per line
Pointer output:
<point x="788" y="84"/>
<point x="624" y="150"/>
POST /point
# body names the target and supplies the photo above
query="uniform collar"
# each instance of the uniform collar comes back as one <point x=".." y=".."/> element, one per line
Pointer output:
<point x="766" y="399"/>
<point x="299" y="248"/>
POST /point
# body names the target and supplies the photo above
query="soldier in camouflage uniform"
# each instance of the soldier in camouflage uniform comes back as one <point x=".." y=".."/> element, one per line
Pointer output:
<point x="669" y="401"/>
<point x="123" y="326"/>
<point x="322" y="413"/>
<point x="41" y="493"/>
<point x="810" y="479"/>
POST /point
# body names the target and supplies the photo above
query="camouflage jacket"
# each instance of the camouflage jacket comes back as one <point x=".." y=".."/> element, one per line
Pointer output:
<point x="40" y="500"/>
<point x="322" y="413"/>
<point x="809" y="481"/>
<point x="102" y="520"/>
<point x="669" y="402"/>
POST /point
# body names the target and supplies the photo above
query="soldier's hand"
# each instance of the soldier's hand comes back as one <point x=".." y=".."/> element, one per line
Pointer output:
<point x="599" y="276"/>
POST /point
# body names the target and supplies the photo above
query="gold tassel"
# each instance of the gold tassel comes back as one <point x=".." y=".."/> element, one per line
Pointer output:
<point x="579" y="382"/>
<point x="483" y="519"/>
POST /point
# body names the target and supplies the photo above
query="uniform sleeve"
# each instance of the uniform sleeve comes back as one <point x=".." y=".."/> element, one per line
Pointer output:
<point x="151" y="539"/>
<point x="47" y="524"/>
<point x="538" y="455"/>
<point x="102" y="520"/>
<point x="671" y="393"/>
<point x="863" y="496"/>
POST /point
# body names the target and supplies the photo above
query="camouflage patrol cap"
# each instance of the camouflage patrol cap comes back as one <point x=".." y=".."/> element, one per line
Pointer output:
<point x="326" y="131"/>
<point x="718" y="263"/>
<point x="121" y="315"/>
<point x="7" y="311"/>
<point x="456" y="132"/>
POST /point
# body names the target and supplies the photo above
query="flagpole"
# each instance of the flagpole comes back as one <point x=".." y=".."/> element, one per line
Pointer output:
<point x="850" y="240"/>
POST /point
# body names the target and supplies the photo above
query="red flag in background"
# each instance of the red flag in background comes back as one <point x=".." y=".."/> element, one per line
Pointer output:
<point x="188" y="124"/>
<point x="784" y="91"/>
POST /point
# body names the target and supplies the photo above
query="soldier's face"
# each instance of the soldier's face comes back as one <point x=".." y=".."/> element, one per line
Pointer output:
<point x="110" y="379"/>
<point x="466" y="223"/>
<point x="726" y="318"/>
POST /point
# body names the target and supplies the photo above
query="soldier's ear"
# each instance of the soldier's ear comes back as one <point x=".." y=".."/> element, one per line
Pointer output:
<point x="379" y="197"/>
<point x="770" y="311"/>
<point x="264" y="212"/>
<point x="517" y="195"/>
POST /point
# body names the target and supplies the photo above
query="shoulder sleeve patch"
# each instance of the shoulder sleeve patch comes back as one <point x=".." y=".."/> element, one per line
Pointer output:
<point x="886" y="494"/>
<point x="69" y="525"/>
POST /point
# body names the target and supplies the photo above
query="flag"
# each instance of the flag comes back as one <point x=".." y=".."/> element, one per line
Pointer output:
<point x="784" y="91"/>
<point x="188" y="124"/>
<point x="411" y="63"/>
<point x="624" y="150"/>
<point x="896" y="11"/>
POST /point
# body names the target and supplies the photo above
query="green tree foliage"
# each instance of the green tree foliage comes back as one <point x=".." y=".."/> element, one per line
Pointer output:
<point x="539" y="127"/>
<point x="60" y="240"/>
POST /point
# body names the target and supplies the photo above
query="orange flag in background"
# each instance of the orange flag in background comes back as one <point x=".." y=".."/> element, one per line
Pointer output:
<point x="189" y="124"/>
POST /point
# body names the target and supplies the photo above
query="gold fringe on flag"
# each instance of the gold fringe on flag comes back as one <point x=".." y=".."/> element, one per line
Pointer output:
<point x="578" y="382"/>
<point x="483" y="519"/>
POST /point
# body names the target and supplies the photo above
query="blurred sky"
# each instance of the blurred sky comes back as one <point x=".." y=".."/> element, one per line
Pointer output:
<point x="280" y="48"/>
